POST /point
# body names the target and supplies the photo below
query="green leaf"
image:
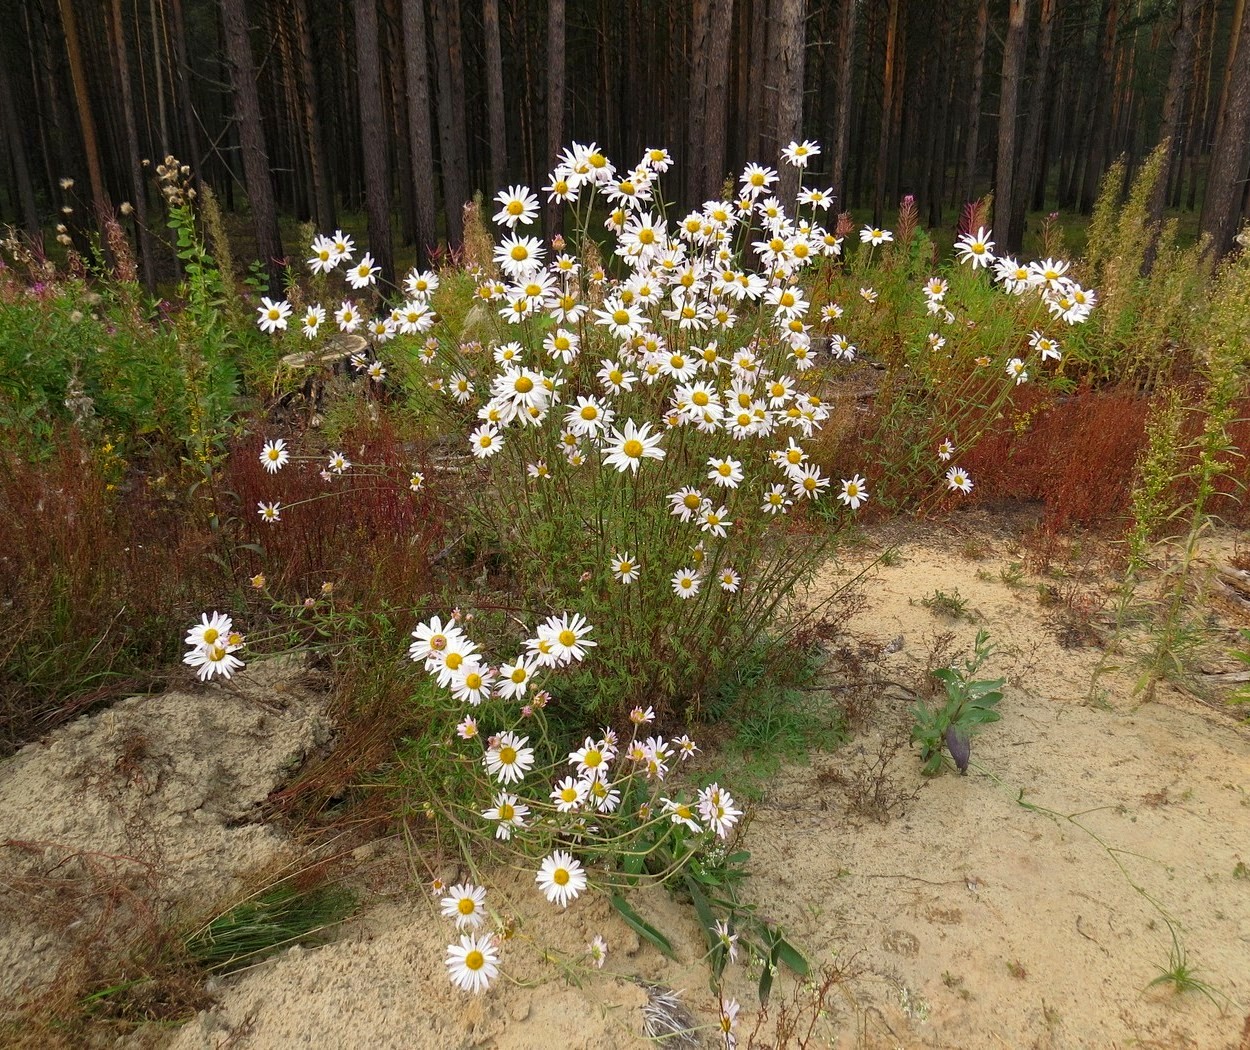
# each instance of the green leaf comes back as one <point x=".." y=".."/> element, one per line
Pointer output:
<point x="766" y="984"/>
<point x="643" y="928"/>
<point x="787" y="953"/>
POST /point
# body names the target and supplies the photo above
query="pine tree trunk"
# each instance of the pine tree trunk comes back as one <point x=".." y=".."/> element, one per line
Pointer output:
<point x="887" y="112"/>
<point x="252" y="140"/>
<point x="1026" y="172"/>
<point x="1008" y="110"/>
<point x="451" y="130"/>
<point x="157" y="21"/>
<point x="1095" y="155"/>
<point x="786" y="40"/>
<point x="972" y="143"/>
<point x="759" y="138"/>
<point x="1170" y="129"/>
<point x="323" y="189"/>
<point x="186" y="107"/>
<point x="1230" y="156"/>
<point x="138" y="187"/>
<point x="494" y="95"/>
<point x="86" y="121"/>
<point x="717" y="97"/>
<point x="373" y="131"/>
<point x="694" y="151"/>
<point x="840" y="140"/>
<point x="420" y="140"/>
<point x="556" y="101"/>
<point x="17" y="152"/>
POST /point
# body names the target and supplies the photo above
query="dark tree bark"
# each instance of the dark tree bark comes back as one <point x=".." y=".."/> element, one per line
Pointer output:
<point x="186" y="106"/>
<point x="494" y="95"/>
<point x="157" y="21"/>
<point x="323" y="190"/>
<point x="138" y="187"/>
<point x="972" y="141"/>
<point x="252" y="139"/>
<point x="17" y="153"/>
<point x="1094" y="156"/>
<point x="887" y="111"/>
<point x="1170" y="129"/>
<point x="556" y="101"/>
<point x="759" y="136"/>
<point x="786" y="39"/>
<point x="694" y="151"/>
<point x="420" y="141"/>
<point x="86" y="121"/>
<point x="716" y="99"/>
<point x="374" y="137"/>
<point x="839" y="140"/>
<point x="1230" y="156"/>
<point x="1026" y="171"/>
<point x="1008" y="106"/>
<point x="453" y="154"/>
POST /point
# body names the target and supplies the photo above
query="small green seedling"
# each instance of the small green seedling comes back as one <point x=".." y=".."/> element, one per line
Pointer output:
<point x="970" y="703"/>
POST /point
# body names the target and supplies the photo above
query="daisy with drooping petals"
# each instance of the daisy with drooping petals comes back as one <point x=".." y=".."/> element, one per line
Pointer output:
<point x="561" y="878"/>
<point x="945" y="450"/>
<point x="874" y="236"/>
<point x="776" y="501"/>
<point x="508" y="813"/>
<point x="472" y="682"/>
<point x="363" y="273"/>
<point x="515" y="679"/>
<point x="625" y="568"/>
<point x="1016" y="370"/>
<point x="807" y="482"/>
<point x="508" y="759"/>
<point x="217" y="658"/>
<point x="341" y="247"/>
<point x="273" y="315"/>
<point x="347" y="317"/>
<point x="338" y="463"/>
<point x="466" y="905"/>
<point x="686" y="583"/>
<point x="210" y="630"/>
<point x="567" y="635"/>
<point x="323" y="258"/>
<point x="517" y="205"/>
<point x="976" y="248"/>
<point x="270" y="513"/>
<point x="433" y="639"/>
<point x="630" y="446"/>
<point x="314" y="318"/>
<point x="727" y="473"/>
<point x="957" y="480"/>
<point x="569" y="795"/>
<point x="854" y="492"/>
<point x="799" y="153"/>
<point x="592" y="759"/>
<point x="473" y="963"/>
<point x="485" y="441"/>
<point x="716" y="806"/>
<point x="598" y="951"/>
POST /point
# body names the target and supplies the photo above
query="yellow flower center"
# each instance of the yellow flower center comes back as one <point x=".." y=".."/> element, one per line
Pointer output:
<point x="506" y="811"/>
<point x="523" y="385"/>
<point x="616" y="376"/>
<point x="473" y="680"/>
<point x="507" y="755"/>
<point x="560" y="877"/>
<point x="466" y="906"/>
<point x="620" y="316"/>
<point x="211" y="635"/>
<point x="518" y="675"/>
<point x="691" y="500"/>
<point x="217" y="653"/>
<point x="567" y="638"/>
<point x="454" y="660"/>
<point x="633" y="448"/>
<point x="519" y="252"/>
<point x="475" y="960"/>
<point x="646" y="235"/>
<point x="724" y="469"/>
<point x="274" y="314"/>
<point x="515" y="207"/>
<point x="700" y="398"/>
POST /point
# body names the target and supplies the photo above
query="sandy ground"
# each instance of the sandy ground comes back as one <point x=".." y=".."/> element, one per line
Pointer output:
<point x="961" y="918"/>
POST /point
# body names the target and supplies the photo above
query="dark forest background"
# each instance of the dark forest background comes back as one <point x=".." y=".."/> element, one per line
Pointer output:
<point x="402" y="109"/>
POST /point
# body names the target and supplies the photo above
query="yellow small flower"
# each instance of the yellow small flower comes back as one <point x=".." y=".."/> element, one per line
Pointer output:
<point x="258" y="581"/>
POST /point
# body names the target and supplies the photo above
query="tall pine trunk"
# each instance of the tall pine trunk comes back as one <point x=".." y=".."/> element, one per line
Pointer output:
<point x="252" y="140"/>
<point x="1039" y="105"/>
<point x="1230" y="156"/>
<point x="555" y="99"/>
<point x="840" y="139"/>
<point x="494" y="95"/>
<point x="694" y="152"/>
<point x="17" y="153"/>
<point x="786" y="38"/>
<point x="1008" y="107"/>
<point x="374" y="138"/>
<point x="716" y="99"/>
<point x="1170" y="130"/>
<point x="86" y="121"/>
<point x="453" y="159"/>
<point x="887" y="112"/>
<point x="323" y="189"/>
<point x="972" y="143"/>
<point x="420" y="140"/>
<point x="138" y="187"/>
